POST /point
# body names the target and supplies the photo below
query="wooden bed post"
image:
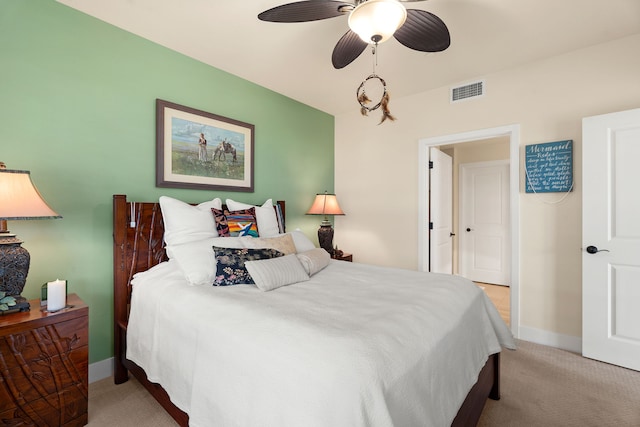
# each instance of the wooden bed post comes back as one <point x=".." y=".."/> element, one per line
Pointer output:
<point x="120" y="292"/>
<point x="494" y="394"/>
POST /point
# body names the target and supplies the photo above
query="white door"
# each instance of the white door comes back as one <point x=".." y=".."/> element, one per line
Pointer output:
<point x="441" y="212"/>
<point x="484" y="235"/>
<point x="611" y="238"/>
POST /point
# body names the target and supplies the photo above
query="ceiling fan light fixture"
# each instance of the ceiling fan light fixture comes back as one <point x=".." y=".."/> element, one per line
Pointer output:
<point x="377" y="20"/>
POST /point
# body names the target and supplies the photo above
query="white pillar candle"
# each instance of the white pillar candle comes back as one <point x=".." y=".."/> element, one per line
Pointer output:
<point x="56" y="295"/>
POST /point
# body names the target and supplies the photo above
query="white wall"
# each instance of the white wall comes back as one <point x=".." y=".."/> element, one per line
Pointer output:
<point x="377" y="168"/>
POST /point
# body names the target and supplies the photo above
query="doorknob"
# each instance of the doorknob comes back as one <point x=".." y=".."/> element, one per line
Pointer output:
<point x="595" y="250"/>
<point x="468" y="229"/>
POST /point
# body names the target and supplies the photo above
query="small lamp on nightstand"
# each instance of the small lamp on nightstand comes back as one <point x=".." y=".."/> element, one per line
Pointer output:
<point x="325" y="204"/>
<point x="19" y="199"/>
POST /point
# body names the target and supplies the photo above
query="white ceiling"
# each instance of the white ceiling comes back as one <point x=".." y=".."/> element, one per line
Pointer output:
<point x="295" y="59"/>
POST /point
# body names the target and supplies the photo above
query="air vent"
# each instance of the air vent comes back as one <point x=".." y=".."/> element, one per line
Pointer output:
<point x="470" y="90"/>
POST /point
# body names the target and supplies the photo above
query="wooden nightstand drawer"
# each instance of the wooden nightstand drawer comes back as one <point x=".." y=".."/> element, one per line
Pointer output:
<point x="44" y="366"/>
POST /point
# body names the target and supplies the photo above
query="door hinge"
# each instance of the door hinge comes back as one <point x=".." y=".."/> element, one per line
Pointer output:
<point x="430" y="164"/>
<point x="430" y="225"/>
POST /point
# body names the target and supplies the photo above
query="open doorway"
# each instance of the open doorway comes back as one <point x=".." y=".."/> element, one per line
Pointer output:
<point x="511" y="136"/>
<point x="481" y="245"/>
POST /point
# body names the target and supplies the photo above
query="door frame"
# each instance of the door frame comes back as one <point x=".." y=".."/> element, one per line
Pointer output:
<point x="511" y="131"/>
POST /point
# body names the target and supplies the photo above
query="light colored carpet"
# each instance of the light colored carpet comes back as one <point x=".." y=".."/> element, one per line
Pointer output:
<point x="124" y="405"/>
<point x="541" y="386"/>
<point x="544" y="386"/>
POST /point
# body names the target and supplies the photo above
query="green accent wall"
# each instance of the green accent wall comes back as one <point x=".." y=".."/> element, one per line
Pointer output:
<point x="77" y="109"/>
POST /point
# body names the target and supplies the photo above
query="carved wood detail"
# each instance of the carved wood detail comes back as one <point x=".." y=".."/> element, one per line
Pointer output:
<point x="44" y="369"/>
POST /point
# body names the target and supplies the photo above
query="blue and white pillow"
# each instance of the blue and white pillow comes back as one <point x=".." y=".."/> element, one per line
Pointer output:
<point x="230" y="268"/>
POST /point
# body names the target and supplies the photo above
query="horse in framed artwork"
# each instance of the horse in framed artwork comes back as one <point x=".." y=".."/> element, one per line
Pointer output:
<point x="223" y="149"/>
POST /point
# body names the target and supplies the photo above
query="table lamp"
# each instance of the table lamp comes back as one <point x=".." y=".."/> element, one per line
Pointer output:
<point x="19" y="199"/>
<point x="325" y="204"/>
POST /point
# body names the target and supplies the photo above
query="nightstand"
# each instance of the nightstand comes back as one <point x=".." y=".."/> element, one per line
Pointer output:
<point x="44" y="365"/>
<point x="344" y="257"/>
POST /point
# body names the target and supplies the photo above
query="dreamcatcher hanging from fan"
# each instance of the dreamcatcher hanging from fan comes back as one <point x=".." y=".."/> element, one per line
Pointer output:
<point x="370" y="22"/>
<point x="363" y="98"/>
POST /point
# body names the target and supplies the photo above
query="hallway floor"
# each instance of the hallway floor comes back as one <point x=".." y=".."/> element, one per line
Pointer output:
<point x="500" y="296"/>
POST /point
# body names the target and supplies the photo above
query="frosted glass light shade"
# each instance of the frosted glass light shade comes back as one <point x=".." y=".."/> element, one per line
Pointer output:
<point x="379" y="18"/>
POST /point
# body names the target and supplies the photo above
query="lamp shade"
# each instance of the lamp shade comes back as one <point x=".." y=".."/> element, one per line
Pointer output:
<point x="19" y="198"/>
<point x="325" y="204"/>
<point x="377" y="20"/>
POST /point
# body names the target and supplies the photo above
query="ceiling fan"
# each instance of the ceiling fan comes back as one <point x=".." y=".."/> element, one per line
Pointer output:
<point x="370" y="22"/>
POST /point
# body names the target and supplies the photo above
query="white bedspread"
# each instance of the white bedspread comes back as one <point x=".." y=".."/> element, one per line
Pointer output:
<point x="356" y="345"/>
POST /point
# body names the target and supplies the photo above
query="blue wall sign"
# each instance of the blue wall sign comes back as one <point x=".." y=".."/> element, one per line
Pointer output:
<point x="549" y="167"/>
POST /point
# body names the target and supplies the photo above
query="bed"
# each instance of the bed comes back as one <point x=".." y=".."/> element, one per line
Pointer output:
<point x="345" y="347"/>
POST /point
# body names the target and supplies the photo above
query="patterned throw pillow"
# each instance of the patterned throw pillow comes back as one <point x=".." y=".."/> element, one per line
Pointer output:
<point x="283" y="243"/>
<point x="236" y="223"/>
<point x="230" y="268"/>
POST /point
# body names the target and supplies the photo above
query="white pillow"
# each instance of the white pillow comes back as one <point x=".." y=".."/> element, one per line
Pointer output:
<point x="184" y="223"/>
<point x="301" y="241"/>
<point x="197" y="260"/>
<point x="269" y="274"/>
<point x="314" y="260"/>
<point x="283" y="243"/>
<point x="265" y="216"/>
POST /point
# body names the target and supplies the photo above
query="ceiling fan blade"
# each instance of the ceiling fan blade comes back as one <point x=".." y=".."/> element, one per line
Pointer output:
<point x="423" y="31"/>
<point x="304" y="11"/>
<point x="348" y="48"/>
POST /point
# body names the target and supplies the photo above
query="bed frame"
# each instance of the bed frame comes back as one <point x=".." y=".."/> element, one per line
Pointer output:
<point x="138" y="245"/>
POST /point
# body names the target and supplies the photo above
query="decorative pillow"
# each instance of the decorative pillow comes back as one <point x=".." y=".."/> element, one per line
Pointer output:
<point x="185" y="223"/>
<point x="230" y="269"/>
<point x="236" y="223"/>
<point x="197" y="259"/>
<point x="283" y="243"/>
<point x="265" y="214"/>
<point x="314" y="260"/>
<point x="269" y="274"/>
<point x="301" y="241"/>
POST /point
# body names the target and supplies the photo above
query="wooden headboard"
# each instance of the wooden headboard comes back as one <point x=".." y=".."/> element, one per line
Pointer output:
<point x="138" y="245"/>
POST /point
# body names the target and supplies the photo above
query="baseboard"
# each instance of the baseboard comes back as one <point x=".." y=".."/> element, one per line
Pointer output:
<point x="552" y="339"/>
<point x="100" y="370"/>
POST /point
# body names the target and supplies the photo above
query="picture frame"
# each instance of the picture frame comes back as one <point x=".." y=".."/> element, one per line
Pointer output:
<point x="200" y="150"/>
<point x="548" y="167"/>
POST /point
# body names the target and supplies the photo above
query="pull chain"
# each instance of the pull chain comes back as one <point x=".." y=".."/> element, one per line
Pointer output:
<point x="374" y="52"/>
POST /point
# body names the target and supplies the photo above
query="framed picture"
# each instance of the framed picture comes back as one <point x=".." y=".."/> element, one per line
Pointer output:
<point x="196" y="149"/>
<point x="548" y="167"/>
